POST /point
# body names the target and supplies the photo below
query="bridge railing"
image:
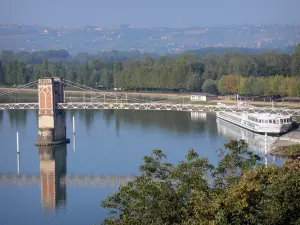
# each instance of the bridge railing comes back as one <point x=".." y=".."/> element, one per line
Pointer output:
<point x="158" y="106"/>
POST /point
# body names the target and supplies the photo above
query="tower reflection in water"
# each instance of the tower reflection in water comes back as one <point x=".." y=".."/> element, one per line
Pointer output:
<point x="53" y="169"/>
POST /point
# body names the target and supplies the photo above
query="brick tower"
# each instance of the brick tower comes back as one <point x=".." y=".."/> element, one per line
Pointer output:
<point x="52" y="129"/>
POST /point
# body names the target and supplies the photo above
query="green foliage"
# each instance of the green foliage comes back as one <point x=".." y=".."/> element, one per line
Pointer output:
<point x="237" y="191"/>
<point x="209" y="86"/>
<point x="265" y="74"/>
<point x="195" y="83"/>
<point x="287" y="151"/>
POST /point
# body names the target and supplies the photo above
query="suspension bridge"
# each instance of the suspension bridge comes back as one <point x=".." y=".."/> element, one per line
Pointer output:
<point x="109" y="100"/>
<point x="52" y="104"/>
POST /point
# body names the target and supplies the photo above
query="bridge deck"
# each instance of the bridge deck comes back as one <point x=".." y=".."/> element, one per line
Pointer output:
<point x="158" y="106"/>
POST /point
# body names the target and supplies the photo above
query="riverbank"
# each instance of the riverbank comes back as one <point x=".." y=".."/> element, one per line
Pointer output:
<point x="287" y="144"/>
<point x="153" y="96"/>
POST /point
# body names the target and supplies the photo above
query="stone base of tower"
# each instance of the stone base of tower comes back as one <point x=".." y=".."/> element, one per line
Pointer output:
<point x="47" y="138"/>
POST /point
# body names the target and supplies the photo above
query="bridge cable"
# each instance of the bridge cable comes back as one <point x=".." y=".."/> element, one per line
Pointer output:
<point x="113" y="94"/>
<point x="76" y="85"/>
<point x="102" y="92"/>
<point x="12" y="90"/>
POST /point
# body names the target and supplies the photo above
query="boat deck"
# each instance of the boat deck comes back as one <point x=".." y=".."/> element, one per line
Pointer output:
<point x="260" y="116"/>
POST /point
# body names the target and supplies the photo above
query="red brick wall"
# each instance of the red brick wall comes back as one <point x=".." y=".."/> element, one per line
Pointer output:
<point x="46" y="104"/>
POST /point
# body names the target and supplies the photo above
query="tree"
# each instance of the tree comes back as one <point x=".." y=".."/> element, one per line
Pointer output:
<point x="238" y="190"/>
<point x="36" y="72"/>
<point x="296" y="61"/>
<point x="194" y="83"/>
<point x="45" y="70"/>
<point x="21" y="76"/>
<point x="209" y="86"/>
<point x="166" y="194"/>
<point x="228" y="84"/>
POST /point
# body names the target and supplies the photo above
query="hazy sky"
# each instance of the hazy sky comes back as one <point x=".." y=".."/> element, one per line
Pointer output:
<point x="142" y="13"/>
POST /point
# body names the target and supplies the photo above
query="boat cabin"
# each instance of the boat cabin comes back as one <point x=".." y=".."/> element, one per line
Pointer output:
<point x="270" y="120"/>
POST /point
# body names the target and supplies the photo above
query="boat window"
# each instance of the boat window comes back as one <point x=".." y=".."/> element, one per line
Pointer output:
<point x="281" y="121"/>
<point x="277" y="121"/>
<point x="270" y="121"/>
<point x="266" y="121"/>
<point x="274" y="121"/>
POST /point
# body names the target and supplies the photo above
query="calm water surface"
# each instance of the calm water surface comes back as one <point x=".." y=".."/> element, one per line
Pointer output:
<point x="110" y="145"/>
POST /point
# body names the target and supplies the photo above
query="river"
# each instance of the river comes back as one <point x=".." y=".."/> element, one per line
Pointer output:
<point x="109" y="146"/>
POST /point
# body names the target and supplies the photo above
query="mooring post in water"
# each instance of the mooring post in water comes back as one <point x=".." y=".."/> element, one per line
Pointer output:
<point x="18" y="147"/>
<point x="266" y="150"/>
<point x="73" y="125"/>
<point x="18" y="153"/>
<point x="74" y="135"/>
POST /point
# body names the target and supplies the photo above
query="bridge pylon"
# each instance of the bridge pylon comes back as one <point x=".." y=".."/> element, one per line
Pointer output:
<point x="51" y="120"/>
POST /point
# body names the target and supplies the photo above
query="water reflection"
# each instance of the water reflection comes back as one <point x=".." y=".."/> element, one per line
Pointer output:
<point x="17" y="117"/>
<point x="1" y="116"/>
<point x="201" y="116"/>
<point x="180" y="122"/>
<point x="255" y="141"/>
<point x="53" y="169"/>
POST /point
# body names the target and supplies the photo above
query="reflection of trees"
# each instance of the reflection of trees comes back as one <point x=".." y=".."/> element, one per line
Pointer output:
<point x="178" y="122"/>
<point x="88" y="116"/>
<point x="17" y="117"/>
<point x="71" y="113"/>
<point x="108" y="116"/>
<point x="53" y="169"/>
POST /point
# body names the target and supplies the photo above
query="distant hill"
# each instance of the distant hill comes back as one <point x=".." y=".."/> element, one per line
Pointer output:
<point x="127" y="37"/>
<point x="221" y="51"/>
<point x="112" y="56"/>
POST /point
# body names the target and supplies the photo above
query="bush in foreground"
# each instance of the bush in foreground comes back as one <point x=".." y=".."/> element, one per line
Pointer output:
<point x="237" y="191"/>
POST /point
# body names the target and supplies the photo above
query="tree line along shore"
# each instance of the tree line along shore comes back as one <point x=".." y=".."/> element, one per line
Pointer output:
<point x="266" y="74"/>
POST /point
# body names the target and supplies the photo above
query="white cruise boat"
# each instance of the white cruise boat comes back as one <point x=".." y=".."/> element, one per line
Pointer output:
<point x="259" y="122"/>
